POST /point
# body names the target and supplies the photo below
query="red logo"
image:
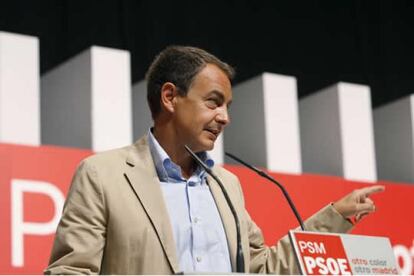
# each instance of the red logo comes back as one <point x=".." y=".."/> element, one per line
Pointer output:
<point x="322" y="254"/>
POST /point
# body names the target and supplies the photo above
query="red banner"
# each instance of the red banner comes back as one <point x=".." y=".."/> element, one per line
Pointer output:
<point x="35" y="180"/>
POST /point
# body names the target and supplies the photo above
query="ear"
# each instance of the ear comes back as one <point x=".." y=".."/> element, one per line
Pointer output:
<point x="168" y="96"/>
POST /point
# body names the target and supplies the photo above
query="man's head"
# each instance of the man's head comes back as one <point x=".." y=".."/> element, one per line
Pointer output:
<point x="178" y="65"/>
<point x="189" y="92"/>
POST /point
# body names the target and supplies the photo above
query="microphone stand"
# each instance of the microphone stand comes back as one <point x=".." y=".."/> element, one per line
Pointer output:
<point x="271" y="179"/>
<point x="239" y="253"/>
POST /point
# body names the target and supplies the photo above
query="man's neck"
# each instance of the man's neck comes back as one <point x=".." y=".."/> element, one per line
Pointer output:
<point x="175" y="150"/>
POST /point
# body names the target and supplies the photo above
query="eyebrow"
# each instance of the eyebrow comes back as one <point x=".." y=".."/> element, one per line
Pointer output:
<point x="220" y="95"/>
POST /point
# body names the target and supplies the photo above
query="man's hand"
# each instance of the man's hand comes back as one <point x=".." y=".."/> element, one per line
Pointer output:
<point x="358" y="203"/>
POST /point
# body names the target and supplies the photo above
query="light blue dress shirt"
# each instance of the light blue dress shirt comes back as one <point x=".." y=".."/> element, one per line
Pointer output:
<point x="199" y="234"/>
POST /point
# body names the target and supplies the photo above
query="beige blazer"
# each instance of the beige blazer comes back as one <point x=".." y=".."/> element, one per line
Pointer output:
<point x="115" y="221"/>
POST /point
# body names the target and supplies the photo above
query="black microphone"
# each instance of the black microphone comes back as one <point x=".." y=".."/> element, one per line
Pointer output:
<point x="239" y="253"/>
<point x="265" y="175"/>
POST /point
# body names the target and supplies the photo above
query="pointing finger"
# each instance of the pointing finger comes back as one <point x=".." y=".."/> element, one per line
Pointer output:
<point x="367" y="191"/>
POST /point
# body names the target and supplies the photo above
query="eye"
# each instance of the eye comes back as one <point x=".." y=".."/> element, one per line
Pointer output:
<point x="212" y="103"/>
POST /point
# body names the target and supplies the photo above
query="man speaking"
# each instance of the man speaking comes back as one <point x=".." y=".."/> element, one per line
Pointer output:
<point x="150" y="209"/>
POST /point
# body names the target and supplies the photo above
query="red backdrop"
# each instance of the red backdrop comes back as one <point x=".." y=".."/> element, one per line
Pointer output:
<point x="56" y="165"/>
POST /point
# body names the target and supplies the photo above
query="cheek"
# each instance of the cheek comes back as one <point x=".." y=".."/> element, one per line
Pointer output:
<point x="200" y="121"/>
<point x="195" y="118"/>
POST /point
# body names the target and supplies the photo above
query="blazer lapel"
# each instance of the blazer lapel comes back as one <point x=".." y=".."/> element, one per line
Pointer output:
<point x="143" y="178"/>
<point x="226" y="217"/>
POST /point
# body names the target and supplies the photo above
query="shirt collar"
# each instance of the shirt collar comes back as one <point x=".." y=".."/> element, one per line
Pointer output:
<point x="166" y="169"/>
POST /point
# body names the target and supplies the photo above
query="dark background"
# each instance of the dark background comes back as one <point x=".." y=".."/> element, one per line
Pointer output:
<point x="319" y="42"/>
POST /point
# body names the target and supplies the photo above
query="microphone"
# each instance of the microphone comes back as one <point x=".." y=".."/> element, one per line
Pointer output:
<point x="268" y="177"/>
<point x="239" y="252"/>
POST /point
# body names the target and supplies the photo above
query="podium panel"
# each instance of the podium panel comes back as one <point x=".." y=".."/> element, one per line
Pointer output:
<point x="342" y="254"/>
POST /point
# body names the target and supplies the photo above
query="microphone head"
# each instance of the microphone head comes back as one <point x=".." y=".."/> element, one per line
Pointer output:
<point x="232" y="156"/>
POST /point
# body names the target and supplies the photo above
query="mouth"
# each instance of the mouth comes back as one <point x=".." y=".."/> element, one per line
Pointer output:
<point x="214" y="131"/>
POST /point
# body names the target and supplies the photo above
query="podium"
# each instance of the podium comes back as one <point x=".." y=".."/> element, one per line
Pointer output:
<point x="342" y="254"/>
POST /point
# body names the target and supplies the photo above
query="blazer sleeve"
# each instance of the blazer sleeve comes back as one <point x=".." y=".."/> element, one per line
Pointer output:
<point x="80" y="236"/>
<point x="280" y="259"/>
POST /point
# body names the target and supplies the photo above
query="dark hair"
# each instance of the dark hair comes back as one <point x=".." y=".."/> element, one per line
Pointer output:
<point x="178" y="65"/>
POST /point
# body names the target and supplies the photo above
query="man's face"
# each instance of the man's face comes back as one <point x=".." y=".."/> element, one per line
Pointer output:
<point x="202" y="114"/>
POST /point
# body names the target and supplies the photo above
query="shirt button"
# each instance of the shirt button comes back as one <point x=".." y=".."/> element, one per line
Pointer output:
<point x="199" y="259"/>
<point x="196" y="220"/>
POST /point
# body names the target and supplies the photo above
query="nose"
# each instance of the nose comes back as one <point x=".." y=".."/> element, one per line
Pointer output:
<point x="223" y="116"/>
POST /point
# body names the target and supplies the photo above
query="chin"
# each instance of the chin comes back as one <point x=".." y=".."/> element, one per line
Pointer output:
<point x="209" y="146"/>
<point x="204" y="146"/>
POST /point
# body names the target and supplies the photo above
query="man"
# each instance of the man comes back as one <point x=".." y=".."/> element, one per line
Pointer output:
<point x="149" y="209"/>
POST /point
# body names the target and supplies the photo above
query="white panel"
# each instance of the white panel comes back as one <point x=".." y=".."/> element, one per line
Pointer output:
<point x="264" y="127"/>
<point x="19" y="89"/>
<point x="282" y="123"/>
<point x="86" y="102"/>
<point x="111" y="99"/>
<point x="66" y="103"/>
<point x="337" y="132"/>
<point x="357" y="132"/>
<point x="142" y="120"/>
<point x="245" y="135"/>
<point x="320" y="132"/>
<point x="394" y="140"/>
